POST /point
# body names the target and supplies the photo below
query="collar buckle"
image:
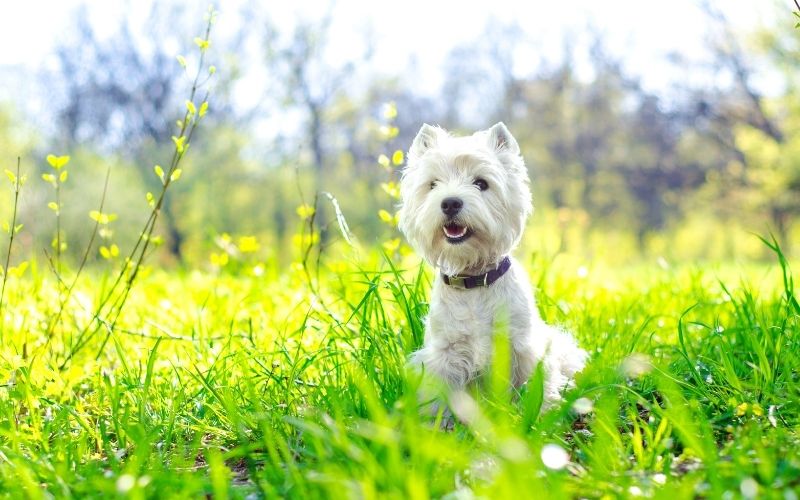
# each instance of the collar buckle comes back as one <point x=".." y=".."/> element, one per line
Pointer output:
<point x="457" y="281"/>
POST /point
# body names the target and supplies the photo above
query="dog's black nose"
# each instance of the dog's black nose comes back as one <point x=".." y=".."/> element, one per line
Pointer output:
<point x="451" y="206"/>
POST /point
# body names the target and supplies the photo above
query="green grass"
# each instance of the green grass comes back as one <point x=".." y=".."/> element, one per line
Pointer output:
<point x="244" y="386"/>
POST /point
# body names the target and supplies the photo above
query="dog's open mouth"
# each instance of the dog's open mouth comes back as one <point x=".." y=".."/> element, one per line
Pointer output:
<point x="455" y="233"/>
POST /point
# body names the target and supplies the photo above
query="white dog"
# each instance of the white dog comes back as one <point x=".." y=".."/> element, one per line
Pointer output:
<point x="465" y="201"/>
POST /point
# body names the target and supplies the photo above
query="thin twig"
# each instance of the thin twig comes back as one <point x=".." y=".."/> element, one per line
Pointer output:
<point x="84" y="259"/>
<point x="12" y="231"/>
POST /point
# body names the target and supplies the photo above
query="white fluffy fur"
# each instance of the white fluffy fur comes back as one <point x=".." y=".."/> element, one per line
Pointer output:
<point x="459" y="328"/>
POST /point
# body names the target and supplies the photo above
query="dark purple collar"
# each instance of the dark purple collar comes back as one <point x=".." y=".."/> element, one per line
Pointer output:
<point x="485" y="279"/>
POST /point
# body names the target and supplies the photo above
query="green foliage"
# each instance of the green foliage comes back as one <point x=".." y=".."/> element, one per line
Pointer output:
<point x="222" y="384"/>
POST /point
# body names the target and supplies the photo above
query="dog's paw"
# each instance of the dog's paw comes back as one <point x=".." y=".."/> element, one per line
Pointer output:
<point x="448" y="423"/>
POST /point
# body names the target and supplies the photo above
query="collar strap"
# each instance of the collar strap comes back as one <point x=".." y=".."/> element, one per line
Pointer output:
<point x="485" y="279"/>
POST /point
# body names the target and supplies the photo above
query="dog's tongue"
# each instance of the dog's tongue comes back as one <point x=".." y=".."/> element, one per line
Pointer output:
<point x="454" y="230"/>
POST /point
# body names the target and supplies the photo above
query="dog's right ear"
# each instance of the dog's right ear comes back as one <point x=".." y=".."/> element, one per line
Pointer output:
<point x="426" y="138"/>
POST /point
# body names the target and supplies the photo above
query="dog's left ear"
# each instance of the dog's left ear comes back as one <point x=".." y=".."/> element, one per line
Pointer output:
<point x="501" y="140"/>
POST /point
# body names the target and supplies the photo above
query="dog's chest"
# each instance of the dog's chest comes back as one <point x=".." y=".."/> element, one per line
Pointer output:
<point x="471" y="315"/>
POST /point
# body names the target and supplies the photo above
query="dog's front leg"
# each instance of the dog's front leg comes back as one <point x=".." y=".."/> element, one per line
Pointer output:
<point x="448" y="363"/>
<point x="523" y="362"/>
<point x="445" y="371"/>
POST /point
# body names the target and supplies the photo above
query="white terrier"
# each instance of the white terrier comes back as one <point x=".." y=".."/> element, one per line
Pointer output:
<point x="465" y="201"/>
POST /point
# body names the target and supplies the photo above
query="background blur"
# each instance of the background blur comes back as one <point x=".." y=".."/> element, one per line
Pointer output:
<point x="650" y="129"/>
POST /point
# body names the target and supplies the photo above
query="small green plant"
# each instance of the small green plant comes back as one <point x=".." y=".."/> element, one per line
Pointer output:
<point x="391" y="163"/>
<point x="11" y="230"/>
<point x="110" y="307"/>
<point x="57" y="178"/>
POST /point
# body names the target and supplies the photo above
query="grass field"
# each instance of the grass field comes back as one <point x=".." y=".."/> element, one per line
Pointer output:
<point x="253" y="386"/>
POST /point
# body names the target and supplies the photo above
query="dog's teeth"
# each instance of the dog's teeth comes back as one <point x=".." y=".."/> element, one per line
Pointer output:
<point x="457" y="233"/>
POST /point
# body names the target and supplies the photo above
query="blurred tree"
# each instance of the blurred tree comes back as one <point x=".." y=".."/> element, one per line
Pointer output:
<point x="754" y="174"/>
<point x="301" y="62"/>
<point x="310" y="85"/>
<point x="480" y="81"/>
<point x="607" y="153"/>
<point x="770" y="140"/>
<point x="116" y="95"/>
<point x="604" y="147"/>
<point x="123" y="94"/>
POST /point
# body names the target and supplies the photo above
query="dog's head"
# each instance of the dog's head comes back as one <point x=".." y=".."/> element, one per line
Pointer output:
<point x="465" y="200"/>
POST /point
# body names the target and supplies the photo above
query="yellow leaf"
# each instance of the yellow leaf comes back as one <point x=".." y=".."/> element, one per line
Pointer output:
<point x="19" y="270"/>
<point x="190" y="107"/>
<point x="203" y="108"/>
<point x="392" y="245"/>
<point x="391" y="188"/>
<point x="305" y="211"/>
<point x="219" y="259"/>
<point x="305" y="240"/>
<point x="11" y="176"/>
<point x="397" y="157"/>
<point x="203" y="44"/>
<point x="48" y="177"/>
<point x="389" y="131"/>
<point x="57" y="161"/>
<point x="101" y="217"/>
<point x="53" y="206"/>
<point x="159" y="172"/>
<point x="390" y="110"/>
<point x="248" y="244"/>
<point x="176" y="174"/>
<point x="63" y="177"/>
<point x="105" y="252"/>
<point x="383" y="160"/>
<point x="114" y="250"/>
<point x="179" y="143"/>
<point x="181" y="61"/>
<point x="385" y="216"/>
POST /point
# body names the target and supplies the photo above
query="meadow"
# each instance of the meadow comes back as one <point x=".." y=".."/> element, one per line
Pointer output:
<point x="261" y="383"/>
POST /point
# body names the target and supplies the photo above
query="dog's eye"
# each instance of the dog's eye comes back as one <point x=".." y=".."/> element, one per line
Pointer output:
<point x="433" y="185"/>
<point x="482" y="184"/>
